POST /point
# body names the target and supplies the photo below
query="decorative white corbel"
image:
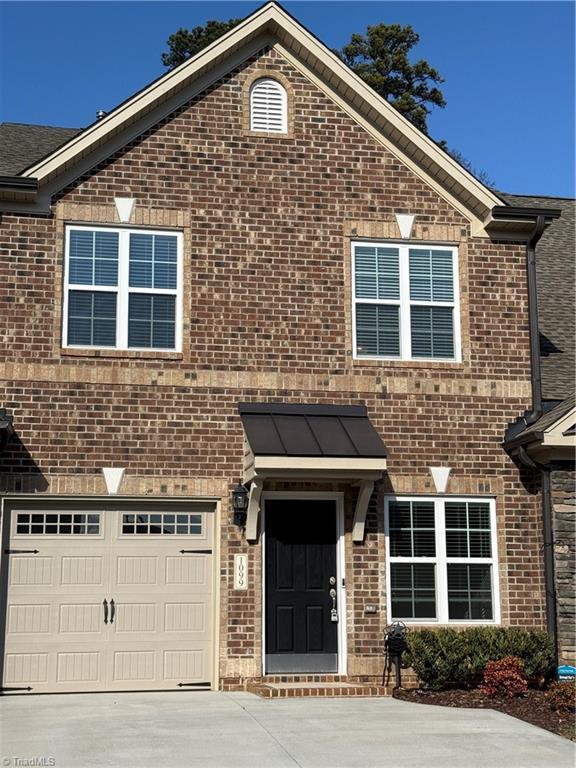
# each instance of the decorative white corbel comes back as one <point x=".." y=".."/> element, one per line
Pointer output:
<point x="405" y="223"/>
<point x="364" y="494"/>
<point x="113" y="478"/>
<point x="124" y="208"/>
<point x="440" y="476"/>
<point x="253" y="514"/>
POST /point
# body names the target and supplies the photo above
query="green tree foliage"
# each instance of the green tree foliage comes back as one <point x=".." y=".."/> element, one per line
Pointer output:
<point x="380" y="58"/>
<point x="187" y="42"/>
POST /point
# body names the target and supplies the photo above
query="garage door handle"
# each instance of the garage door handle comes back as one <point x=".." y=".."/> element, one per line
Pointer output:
<point x="112" y="611"/>
<point x="105" y="604"/>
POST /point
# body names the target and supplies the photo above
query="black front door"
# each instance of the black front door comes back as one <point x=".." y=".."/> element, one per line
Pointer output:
<point x="301" y="630"/>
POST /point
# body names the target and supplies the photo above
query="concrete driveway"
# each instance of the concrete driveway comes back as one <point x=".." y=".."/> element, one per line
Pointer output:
<point x="238" y="730"/>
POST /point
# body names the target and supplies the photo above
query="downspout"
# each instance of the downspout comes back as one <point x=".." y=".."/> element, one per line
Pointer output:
<point x="549" y="575"/>
<point x="530" y="418"/>
<point x="536" y="368"/>
<point x="547" y="545"/>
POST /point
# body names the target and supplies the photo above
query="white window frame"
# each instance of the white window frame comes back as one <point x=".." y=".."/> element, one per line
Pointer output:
<point x="441" y="561"/>
<point x="404" y="302"/>
<point x="122" y="289"/>
<point x="284" y="105"/>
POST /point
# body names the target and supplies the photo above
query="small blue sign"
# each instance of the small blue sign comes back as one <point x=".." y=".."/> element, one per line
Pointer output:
<point x="566" y="672"/>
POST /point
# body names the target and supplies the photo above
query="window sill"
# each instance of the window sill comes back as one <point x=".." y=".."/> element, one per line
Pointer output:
<point x="131" y="354"/>
<point x="386" y="362"/>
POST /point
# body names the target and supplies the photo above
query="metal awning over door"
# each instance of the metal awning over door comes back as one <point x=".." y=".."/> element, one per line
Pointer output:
<point x="311" y="442"/>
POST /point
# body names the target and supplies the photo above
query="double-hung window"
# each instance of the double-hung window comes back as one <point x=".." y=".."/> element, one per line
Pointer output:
<point x="441" y="557"/>
<point x="405" y="301"/>
<point x="123" y="289"/>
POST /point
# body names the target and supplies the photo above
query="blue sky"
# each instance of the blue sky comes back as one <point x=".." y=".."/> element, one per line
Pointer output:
<point x="508" y="66"/>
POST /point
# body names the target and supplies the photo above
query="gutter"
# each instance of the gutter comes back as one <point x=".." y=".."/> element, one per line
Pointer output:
<point x="18" y="188"/>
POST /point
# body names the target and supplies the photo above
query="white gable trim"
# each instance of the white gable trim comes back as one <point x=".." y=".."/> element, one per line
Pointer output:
<point x="418" y="152"/>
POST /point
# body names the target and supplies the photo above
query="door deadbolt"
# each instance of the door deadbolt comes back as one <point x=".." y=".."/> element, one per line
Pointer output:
<point x="332" y="580"/>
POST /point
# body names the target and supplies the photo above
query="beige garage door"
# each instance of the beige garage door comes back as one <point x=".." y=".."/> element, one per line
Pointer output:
<point x="109" y="599"/>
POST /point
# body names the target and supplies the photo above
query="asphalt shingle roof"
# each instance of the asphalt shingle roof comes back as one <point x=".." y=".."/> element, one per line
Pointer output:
<point x="21" y="144"/>
<point x="556" y="276"/>
<point x="550" y="417"/>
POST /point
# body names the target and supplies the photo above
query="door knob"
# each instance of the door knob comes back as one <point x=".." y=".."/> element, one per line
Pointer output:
<point x="112" y="611"/>
<point x="105" y="604"/>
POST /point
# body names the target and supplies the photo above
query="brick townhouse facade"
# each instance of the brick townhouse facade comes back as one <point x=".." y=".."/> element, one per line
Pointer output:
<point x="255" y="270"/>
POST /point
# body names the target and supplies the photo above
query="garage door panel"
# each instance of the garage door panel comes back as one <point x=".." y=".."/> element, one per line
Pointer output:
<point x="189" y="570"/>
<point x="185" y="617"/>
<point x="134" y="617"/>
<point x="81" y="571"/>
<point x="79" y="667"/>
<point x="185" y="665"/>
<point x="26" y="619"/>
<point x="131" y="570"/>
<point x="80" y="618"/>
<point x="26" y="668"/>
<point x="28" y="571"/>
<point x="135" y="667"/>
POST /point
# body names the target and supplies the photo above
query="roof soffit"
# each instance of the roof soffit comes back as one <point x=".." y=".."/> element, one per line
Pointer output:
<point x="272" y="25"/>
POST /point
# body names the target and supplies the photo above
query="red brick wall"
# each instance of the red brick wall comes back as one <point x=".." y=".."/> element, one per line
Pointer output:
<point x="267" y="308"/>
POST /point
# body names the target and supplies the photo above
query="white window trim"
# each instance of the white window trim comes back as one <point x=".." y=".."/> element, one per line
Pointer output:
<point x="404" y="302"/>
<point x="122" y="289"/>
<point x="440" y="561"/>
<point x="284" y="105"/>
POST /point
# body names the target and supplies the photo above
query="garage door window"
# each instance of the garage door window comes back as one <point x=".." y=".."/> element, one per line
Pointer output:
<point x="57" y="523"/>
<point x="162" y="524"/>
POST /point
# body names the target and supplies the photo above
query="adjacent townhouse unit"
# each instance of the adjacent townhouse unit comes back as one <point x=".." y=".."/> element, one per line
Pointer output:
<point x="547" y="443"/>
<point x="262" y="341"/>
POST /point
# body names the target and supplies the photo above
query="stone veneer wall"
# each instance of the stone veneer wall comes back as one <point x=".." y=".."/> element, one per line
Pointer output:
<point x="563" y="481"/>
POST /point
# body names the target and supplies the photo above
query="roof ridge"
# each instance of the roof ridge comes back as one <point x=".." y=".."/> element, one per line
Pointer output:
<point x="538" y="197"/>
<point x="39" y="125"/>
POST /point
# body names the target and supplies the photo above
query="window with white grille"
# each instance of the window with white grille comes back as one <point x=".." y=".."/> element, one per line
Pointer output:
<point x="123" y="289"/>
<point x="442" y="562"/>
<point x="405" y="301"/>
<point x="268" y="106"/>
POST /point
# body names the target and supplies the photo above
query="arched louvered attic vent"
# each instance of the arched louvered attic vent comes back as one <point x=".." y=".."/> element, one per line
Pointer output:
<point x="268" y="106"/>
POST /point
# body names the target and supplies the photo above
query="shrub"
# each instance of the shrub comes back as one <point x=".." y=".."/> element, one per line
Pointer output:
<point x="452" y="658"/>
<point x="505" y="677"/>
<point x="562" y="697"/>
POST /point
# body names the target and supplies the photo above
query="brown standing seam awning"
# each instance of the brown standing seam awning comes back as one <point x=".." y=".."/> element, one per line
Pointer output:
<point x="277" y="429"/>
<point x="310" y="441"/>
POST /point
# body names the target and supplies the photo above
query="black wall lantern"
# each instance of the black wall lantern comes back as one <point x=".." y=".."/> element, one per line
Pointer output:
<point x="240" y="504"/>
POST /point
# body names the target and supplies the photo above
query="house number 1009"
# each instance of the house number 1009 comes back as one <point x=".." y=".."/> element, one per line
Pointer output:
<point x="240" y="571"/>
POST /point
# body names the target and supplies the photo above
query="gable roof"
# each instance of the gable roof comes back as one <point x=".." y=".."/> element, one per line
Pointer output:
<point x="24" y="144"/>
<point x="556" y="281"/>
<point x="272" y="25"/>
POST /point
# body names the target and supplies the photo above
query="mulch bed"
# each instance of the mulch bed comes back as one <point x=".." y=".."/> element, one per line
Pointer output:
<point x="533" y="708"/>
